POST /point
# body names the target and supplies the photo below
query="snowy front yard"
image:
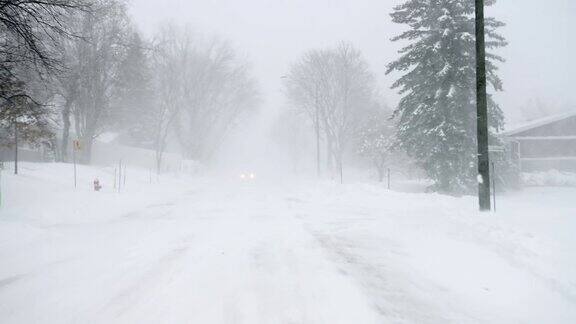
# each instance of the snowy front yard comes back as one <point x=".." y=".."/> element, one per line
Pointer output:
<point x="216" y="250"/>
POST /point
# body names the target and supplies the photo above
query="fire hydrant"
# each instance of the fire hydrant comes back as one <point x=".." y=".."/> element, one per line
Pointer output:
<point x="97" y="185"/>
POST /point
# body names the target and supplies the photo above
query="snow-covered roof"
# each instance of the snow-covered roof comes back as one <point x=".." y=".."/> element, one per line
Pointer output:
<point x="538" y="123"/>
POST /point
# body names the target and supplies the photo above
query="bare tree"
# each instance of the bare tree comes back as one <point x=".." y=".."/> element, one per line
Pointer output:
<point x="36" y="26"/>
<point x="166" y="64"/>
<point x="334" y="88"/>
<point x="99" y="54"/>
<point x="67" y="88"/>
<point x="203" y="90"/>
<point x="32" y="34"/>
<point x="218" y="90"/>
<point x="290" y="131"/>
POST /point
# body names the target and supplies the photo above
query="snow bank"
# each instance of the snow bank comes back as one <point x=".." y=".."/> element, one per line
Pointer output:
<point x="220" y="250"/>
<point x="45" y="193"/>
<point x="429" y="258"/>
<point x="549" y="178"/>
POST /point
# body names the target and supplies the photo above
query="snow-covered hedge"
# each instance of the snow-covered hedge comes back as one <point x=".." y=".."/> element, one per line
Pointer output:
<point x="549" y="178"/>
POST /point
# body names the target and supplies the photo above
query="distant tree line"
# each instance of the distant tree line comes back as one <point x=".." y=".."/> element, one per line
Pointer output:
<point x="436" y="116"/>
<point x="434" y="123"/>
<point x="334" y="92"/>
<point x="73" y="69"/>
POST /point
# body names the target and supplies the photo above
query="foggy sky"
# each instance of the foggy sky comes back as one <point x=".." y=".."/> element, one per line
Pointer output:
<point x="273" y="33"/>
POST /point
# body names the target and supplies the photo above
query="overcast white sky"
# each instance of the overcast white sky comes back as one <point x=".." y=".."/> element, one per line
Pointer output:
<point x="541" y="57"/>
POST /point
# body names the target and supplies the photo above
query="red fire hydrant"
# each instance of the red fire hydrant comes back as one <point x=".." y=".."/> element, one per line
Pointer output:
<point x="97" y="185"/>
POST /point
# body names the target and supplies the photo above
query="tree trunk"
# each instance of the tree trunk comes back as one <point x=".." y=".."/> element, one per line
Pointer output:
<point x="341" y="171"/>
<point x="380" y="174"/>
<point x="379" y="164"/>
<point x="339" y="164"/>
<point x="159" y="154"/>
<point x="65" y="132"/>
<point x="15" y="147"/>
<point x="317" y="126"/>
<point x="329" y="154"/>
<point x="160" y="146"/>
<point x="87" y="142"/>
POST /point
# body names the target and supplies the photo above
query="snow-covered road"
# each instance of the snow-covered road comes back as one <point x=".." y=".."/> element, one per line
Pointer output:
<point x="224" y="251"/>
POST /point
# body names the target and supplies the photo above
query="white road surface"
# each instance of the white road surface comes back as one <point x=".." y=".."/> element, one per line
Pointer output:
<point x="215" y="251"/>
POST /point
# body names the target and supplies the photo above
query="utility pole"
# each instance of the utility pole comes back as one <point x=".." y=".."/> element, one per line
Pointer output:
<point x="482" y="112"/>
<point x="15" y="146"/>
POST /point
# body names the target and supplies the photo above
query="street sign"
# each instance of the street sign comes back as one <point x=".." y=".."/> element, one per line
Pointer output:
<point x="77" y="145"/>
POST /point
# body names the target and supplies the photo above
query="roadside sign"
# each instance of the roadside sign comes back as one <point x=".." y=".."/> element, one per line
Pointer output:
<point x="77" y="145"/>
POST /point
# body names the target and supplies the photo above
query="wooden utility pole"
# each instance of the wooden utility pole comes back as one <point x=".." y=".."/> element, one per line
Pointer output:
<point x="482" y="112"/>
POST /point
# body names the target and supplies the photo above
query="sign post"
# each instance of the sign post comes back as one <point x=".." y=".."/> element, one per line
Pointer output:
<point x="76" y="147"/>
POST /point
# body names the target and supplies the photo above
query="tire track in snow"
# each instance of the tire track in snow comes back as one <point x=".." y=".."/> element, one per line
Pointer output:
<point x="151" y="279"/>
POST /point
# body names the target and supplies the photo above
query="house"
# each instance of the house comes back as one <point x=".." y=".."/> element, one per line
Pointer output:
<point x="545" y="144"/>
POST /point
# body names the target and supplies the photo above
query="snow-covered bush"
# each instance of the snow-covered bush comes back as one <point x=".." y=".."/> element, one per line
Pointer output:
<point x="549" y="178"/>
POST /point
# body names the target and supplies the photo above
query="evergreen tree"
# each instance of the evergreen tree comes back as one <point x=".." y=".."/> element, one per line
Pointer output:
<point x="34" y="122"/>
<point x="23" y="98"/>
<point x="437" y="112"/>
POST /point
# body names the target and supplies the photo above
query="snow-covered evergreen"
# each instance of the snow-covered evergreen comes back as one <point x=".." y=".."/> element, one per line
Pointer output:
<point x="437" y="113"/>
